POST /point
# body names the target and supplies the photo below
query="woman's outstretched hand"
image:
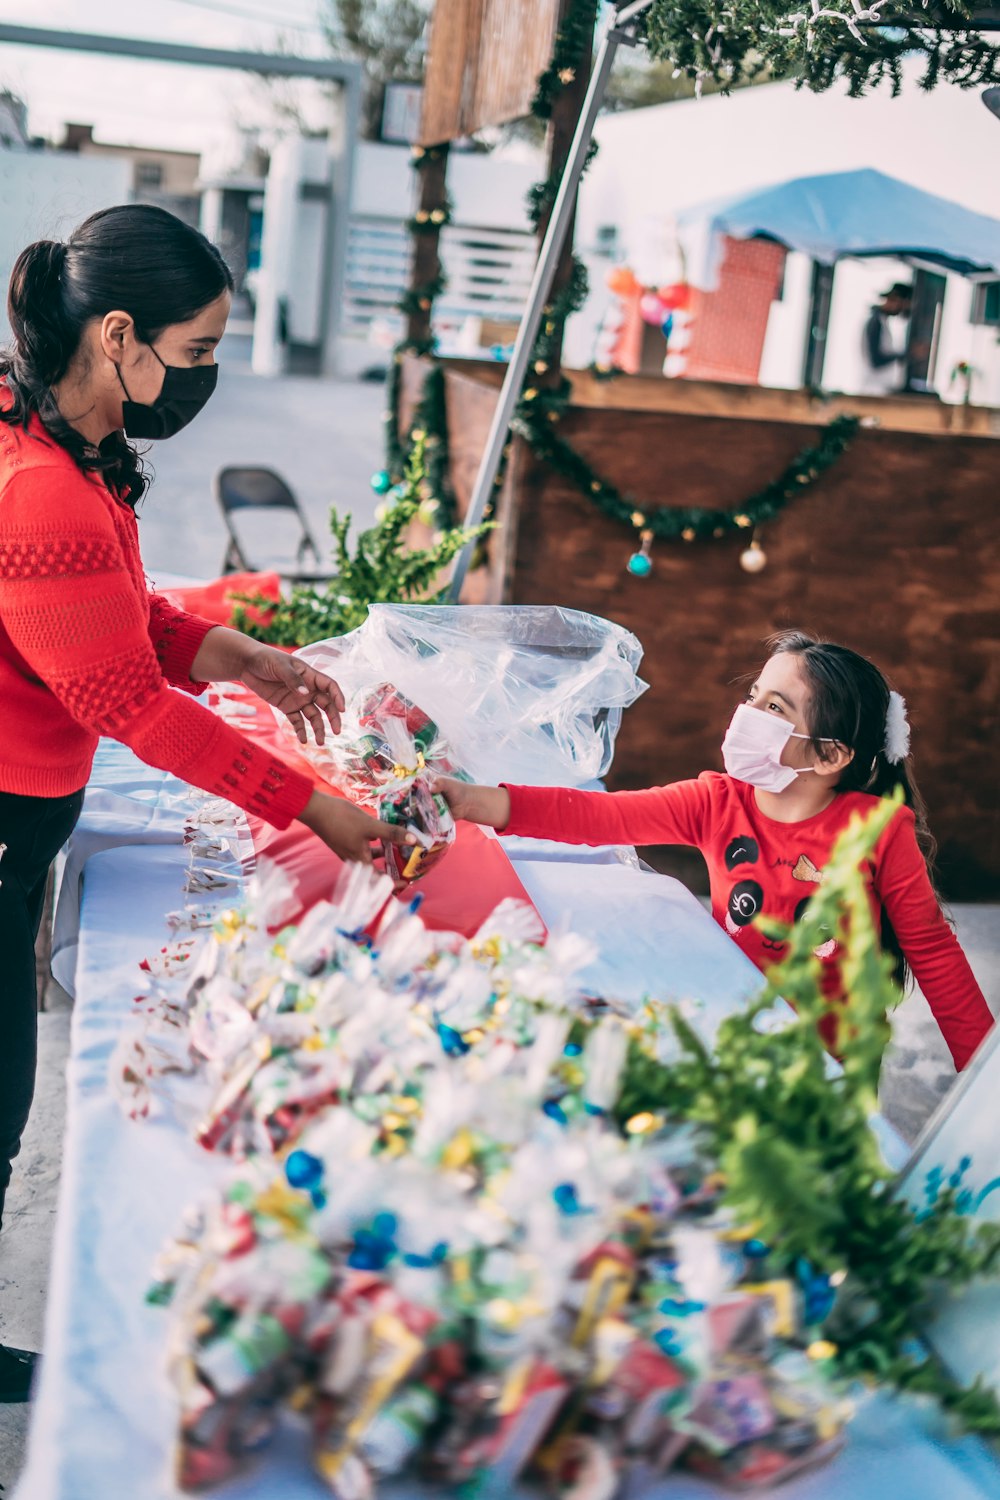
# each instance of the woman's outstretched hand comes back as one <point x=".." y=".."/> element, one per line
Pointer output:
<point x="296" y="690"/>
<point x="286" y="682"/>
<point x="488" y="805"/>
<point x="348" y="831"/>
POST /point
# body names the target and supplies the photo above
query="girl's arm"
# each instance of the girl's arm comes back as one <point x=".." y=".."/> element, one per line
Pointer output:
<point x="929" y="945"/>
<point x="674" y="814"/>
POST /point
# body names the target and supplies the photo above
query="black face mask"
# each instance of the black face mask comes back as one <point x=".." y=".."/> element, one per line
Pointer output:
<point x="181" y="398"/>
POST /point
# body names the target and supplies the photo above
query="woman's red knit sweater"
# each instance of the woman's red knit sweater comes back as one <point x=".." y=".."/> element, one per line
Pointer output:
<point x="86" y="649"/>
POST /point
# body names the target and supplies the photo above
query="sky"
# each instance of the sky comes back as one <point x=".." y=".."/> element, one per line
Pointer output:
<point x="142" y="103"/>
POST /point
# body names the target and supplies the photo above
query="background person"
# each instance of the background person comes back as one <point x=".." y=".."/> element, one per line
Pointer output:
<point x="884" y="342"/>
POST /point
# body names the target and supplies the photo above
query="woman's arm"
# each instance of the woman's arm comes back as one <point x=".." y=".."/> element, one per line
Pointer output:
<point x="929" y="945"/>
<point x="284" y="681"/>
<point x="80" y="624"/>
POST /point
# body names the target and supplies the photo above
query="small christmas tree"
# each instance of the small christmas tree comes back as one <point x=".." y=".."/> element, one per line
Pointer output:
<point x="381" y="570"/>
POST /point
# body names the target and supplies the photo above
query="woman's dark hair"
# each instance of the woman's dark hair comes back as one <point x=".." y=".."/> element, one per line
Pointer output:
<point x="849" y="703"/>
<point x="136" y="257"/>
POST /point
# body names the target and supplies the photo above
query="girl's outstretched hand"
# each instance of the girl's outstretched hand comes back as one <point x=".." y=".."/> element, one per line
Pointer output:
<point x="489" y="805"/>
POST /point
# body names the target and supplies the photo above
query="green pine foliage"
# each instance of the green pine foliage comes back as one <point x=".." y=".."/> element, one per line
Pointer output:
<point x="732" y="43"/>
<point x="381" y="569"/>
<point x="801" y="1167"/>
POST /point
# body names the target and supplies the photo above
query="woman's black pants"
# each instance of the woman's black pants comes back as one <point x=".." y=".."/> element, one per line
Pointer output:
<point x="34" y="829"/>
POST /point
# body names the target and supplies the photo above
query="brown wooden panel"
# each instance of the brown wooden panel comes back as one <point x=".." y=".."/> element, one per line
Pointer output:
<point x="895" y="552"/>
<point x="483" y="62"/>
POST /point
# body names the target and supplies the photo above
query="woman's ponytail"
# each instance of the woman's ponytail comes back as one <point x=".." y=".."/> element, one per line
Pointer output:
<point x="44" y="344"/>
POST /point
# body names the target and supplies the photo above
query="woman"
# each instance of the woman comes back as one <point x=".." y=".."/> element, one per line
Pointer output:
<point x="114" y="339"/>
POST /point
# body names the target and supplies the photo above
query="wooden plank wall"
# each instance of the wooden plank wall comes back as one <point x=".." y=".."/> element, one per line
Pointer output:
<point x="895" y="552"/>
<point x="483" y="63"/>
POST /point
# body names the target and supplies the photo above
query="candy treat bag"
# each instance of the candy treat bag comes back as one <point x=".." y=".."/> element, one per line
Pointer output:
<point x="386" y="758"/>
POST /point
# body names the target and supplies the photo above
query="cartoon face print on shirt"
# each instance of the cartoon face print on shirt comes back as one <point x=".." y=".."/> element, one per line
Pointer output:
<point x="745" y="902"/>
<point x="747" y="896"/>
<point x="825" y="950"/>
<point x="741" y="851"/>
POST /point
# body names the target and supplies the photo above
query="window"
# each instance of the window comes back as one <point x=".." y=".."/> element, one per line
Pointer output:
<point x="986" y="303"/>
<point x="148" y="175"/>
<point x="606" y="244"/>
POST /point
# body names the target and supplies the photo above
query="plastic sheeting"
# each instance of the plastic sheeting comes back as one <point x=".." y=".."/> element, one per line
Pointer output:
<point x="532" y="694"/>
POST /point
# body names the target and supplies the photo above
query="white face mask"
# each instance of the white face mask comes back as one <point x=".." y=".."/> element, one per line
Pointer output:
<point x="751" y="750"/>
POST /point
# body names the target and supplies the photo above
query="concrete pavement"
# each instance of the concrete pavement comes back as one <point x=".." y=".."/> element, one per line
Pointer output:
<point x="323" y="436"/>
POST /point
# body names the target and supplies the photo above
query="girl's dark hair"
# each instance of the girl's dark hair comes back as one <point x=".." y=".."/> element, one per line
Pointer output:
<point x="849" y="702"/>
<point x="136" y="257"/>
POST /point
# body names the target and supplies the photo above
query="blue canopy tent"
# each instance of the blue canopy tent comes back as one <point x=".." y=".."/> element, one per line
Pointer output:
<point x="838" y="215"/>
<point x="858" y="213"/>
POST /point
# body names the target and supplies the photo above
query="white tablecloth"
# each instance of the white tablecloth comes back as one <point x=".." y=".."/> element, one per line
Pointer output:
<point x="104" y="1414"/>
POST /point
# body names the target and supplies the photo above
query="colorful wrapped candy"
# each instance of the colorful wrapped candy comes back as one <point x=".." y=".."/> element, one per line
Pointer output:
<point x="462" y="1269"/>
<point x="385" y="758"/>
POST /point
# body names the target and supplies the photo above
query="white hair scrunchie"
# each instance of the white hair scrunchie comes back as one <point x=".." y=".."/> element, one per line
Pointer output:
<point x="897" y="730"/>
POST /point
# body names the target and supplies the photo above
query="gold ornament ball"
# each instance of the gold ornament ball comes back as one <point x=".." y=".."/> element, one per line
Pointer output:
<point x="754" y="559"/>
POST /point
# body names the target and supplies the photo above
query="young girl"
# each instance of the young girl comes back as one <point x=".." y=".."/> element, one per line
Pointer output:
<point x="819" y="737"/>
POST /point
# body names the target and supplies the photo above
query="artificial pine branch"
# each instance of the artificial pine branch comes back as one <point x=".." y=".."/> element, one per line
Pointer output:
<point x="800" y="1166"/>
<point x="381" y="569"/>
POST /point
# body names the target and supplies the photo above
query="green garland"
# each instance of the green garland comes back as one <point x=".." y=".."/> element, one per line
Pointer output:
<point x="535" y="420"/>
<point x="421" y="298"/>
<point x="422" y="156"/>
<point x="541" y="406"/>
<point x="431" y="221"/>
<point x="733" y="41"/>
<point x="729" y="41"/>
<point x="429" y="428"/>
<point x="574" y="37"/>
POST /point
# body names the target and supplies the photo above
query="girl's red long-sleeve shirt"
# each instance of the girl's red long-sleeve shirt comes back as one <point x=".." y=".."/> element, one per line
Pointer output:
<point x="757" y="865"/>
<point x="86" y="649"/>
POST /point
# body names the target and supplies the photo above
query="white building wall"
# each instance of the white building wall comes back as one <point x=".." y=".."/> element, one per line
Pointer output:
<point x="44" y="195"/>
<point x="783" y="357"/>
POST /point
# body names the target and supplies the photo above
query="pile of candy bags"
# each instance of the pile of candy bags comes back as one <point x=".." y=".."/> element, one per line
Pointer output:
<point x="438" y="1246"/>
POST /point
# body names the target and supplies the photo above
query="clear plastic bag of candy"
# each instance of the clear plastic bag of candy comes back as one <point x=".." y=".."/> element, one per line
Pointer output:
<point x="385" y="758"/>
<point x="526" y="693"/>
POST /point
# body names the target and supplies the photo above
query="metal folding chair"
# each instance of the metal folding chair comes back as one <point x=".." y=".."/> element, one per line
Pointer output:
<point x="259" y="489"/>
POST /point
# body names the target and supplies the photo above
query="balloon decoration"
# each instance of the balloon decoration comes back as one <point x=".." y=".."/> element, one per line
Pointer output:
<point x="652" y="308"/>
<point x="665" y="308"/>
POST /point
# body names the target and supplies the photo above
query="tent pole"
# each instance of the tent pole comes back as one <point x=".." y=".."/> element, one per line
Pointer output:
<point x="617" y="34"/>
